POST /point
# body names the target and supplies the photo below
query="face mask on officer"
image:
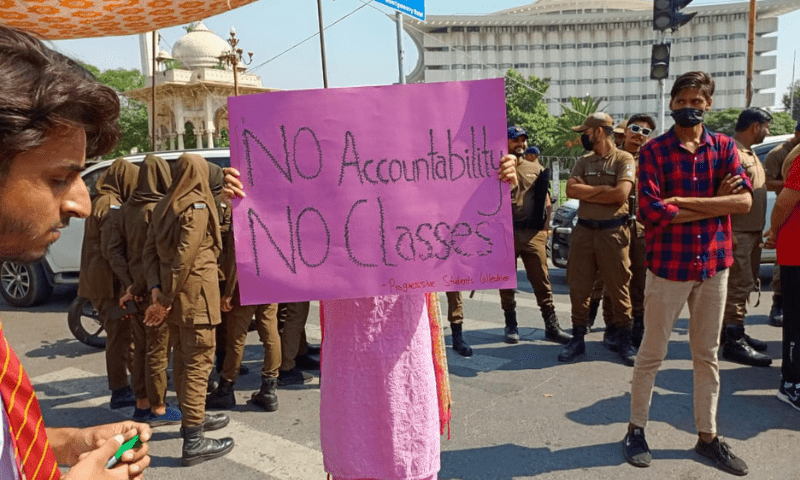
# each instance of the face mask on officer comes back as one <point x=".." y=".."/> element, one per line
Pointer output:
<point x="688" y="117"/>
<point x="587" y="142"/>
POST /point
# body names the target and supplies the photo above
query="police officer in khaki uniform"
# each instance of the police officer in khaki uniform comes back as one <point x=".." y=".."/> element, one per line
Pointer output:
<point x="602" y="180"/>
<point x="98" y="282"/>
<point x="149" y="366"/>
<point x="180" y="259"/>
<point x="530" y="210"/>
<point x="292" y="319"/>
<point x="637" y="130"/>
<point x="773" y="166"/>
<point x="751" y="129"/>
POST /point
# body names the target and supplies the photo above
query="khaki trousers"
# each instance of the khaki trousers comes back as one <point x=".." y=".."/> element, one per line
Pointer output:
<point x="118" y="343"/>
<point x="139" y="362"/>
<point x="743" y="276"/>
<point x="455" y="308"/>
<point x="663" y="301"/>
<point x="638" y="254"/>
<point x="237" y="323"/>
<point x="531" y="247"/>
<point x="605" y="251"/>
<point x="193" y="359"/>
<point x="293" y="334"/>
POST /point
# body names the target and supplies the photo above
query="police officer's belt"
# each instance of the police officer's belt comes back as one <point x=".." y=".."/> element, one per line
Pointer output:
<point x="603" y="224"/>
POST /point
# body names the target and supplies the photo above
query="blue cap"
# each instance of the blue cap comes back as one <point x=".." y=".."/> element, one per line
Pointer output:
<point x="796" y="128"/>
<point x="532" y="149"/>
<point x="514" y="132"/>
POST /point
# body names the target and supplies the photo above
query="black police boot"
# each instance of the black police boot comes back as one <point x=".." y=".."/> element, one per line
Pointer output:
<point x="575" y="347"/>
<point x="610" y="340"/>
<point x="736" y="349"/>
<point x="553" y="331"/>
<point x="594" y="306"/>
<point x="222" y="397"/>
<point x="122" y="397"/>
<point x="511" y="331"/>
<point x="627" y="352"/>
<point x="267" y="396"/>
<point x="459" y="345"/>
<point x="638" y="331"/>
<point x="776" y="312"/>
<point x="215" y="421"/>
<point x="757" y="345"/>
<point x="198" y="449"/>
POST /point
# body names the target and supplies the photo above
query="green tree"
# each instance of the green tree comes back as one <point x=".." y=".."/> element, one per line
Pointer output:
<point x="723" y="121"/>
<point x="133" y="114"/>
<point x="787" y="100"/>
<point x="567" y="142"/>
<point x="525" y="108"/>
<point x="782" y="124"/>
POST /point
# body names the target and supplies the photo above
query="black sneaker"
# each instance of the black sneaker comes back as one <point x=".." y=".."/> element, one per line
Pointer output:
<point x="293" y="377"/>
<point x="122" y="398"/>
<point x="789" y="393"/>
<point x="511" y="335"/>
<point x="637" y="453"/>
<point x="722" y="455"/>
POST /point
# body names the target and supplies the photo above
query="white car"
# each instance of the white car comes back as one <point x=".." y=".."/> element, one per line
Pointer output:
<point x="25" y="285"/>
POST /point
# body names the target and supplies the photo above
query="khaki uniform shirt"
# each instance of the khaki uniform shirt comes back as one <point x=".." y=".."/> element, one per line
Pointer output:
<point x="97" y="280"/>
<point x="610" y="169"/>
<point x="774" y="161"/>
<point x="527" y="174"/>
<point x="755" y="219"/>
<point x="789" y="161"/>
<point x="186" y="269"/>
<point x="126" y="244"/>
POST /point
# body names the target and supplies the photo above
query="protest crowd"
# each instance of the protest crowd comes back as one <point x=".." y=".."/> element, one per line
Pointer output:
<point x="661" y="222"/>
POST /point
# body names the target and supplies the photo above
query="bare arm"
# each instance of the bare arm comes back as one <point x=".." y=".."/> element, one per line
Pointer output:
<point x="715" y="206"/>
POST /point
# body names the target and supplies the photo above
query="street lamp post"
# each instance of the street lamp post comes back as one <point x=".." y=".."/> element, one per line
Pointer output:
<point x="233" y="57"/>
<point x="791" y="85"/>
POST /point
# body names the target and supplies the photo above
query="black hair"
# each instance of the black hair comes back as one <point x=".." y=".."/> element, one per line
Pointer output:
<point x="750" y="116"/>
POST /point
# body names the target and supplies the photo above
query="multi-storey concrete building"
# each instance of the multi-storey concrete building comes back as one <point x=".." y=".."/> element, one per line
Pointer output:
<point x="602" y="48"/>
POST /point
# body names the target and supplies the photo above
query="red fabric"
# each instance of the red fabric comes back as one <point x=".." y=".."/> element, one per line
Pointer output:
<point x="693" y="251"/>
<point x="31" y="447"/>
<point x="789" y="234"/>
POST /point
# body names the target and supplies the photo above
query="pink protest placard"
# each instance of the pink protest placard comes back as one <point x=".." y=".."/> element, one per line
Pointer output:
<point x="367" y="191"/>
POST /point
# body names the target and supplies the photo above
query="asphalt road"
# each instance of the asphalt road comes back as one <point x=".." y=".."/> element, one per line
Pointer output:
<point x="518" y="413"/>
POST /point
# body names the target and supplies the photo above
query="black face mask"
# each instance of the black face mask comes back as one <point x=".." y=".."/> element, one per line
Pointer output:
<point x="687" y="117"/>
<point x="587" y="143"/>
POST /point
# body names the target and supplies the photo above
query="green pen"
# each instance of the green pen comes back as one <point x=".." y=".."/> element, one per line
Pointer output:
<point x="130" y="444"/>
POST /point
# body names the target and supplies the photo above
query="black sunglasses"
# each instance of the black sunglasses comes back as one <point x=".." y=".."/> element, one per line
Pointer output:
<point x="639" y="129"/>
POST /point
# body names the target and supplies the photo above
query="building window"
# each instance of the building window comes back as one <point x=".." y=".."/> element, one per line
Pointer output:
<point x="719" y="55"/>
<point x="567" y="82"/>
<point x="600" y="63"/>
<point x="520" y="65"/>
<point x="473" y="29"/>
<point x="437" y="67"/>
<point x="734" y="36"/>
<point x="617" y="80"/>
<point x="719" y="74"/>
<point x="457" y="29"/>
<point x="474" y="48"/>
<point x="616" y="62"/>
<point x="567" y="64"/>
<point x="585" y="81"/>
<point x="520" y="47"/>
<point x="552" y="28"/>
<point x="632" y="80"/>
<point x="458" y="66"/>
<point x="474" y="66"/>
<point x="736" y="55"/>
<point x="440" y="30"/>
<point x="599" y="80"/>
<point x="552" y="46"/>
<point x="600" y="45"/>
<point x="632" y="97"/>
<point x="520" y="29"/>
<point x="702" y="38"/>
<point x="720" y="37"/>
<point x="649" y="96"/>
<point x="633" y="61"/>
<point x="568" y="46"/>
<point x="736" y="73"/>
<point x="683" y="40"/>
<point x="490" y="48"/>
<point x="585" y="64"/>
<point x="616" y="44"/>
<point x="617" y="98"/>
<point x="649" y="42"/>
<point x="459" y="48"/>
<point x="537" y="65"/>
<point x="490" y="66"/>
<point x="584" y="45"/>
<point x="552" y="64"/>
<point x="537" y="47"/>
<point x="504" y="48"/>
<point x="437" y="49"/>
<point x="683" y="58"/>
<point x="505" y="66"/>
<point x="700" y="57"/>
<point x="631" y="43"/>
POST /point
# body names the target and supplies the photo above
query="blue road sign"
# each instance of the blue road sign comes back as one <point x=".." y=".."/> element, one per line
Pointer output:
<point x="413" y="8"/>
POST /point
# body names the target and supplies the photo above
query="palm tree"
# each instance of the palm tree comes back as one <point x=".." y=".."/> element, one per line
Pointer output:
<point x="567" y="142"/>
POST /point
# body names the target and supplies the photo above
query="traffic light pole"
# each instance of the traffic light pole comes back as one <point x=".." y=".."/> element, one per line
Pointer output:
<point x="661" y="108"/>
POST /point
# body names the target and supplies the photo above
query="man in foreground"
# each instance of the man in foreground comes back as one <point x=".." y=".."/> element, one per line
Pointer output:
<point x="690" y="181"/>
<point x="53" y="114"/>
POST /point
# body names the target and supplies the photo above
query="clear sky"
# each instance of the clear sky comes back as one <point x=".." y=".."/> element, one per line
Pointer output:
<point x="361" y="49"/>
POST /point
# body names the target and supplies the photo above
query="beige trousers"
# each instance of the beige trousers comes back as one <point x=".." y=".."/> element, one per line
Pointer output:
<point x="663" y="301"/>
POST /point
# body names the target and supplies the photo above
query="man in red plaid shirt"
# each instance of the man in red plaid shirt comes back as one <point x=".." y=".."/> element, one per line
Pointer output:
<point x="690" y="181"/>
